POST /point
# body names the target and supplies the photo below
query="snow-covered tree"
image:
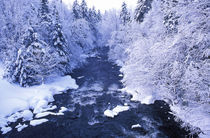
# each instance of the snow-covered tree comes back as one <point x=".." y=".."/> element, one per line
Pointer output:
<point x="84" y="9"/>
<point x="28" y="63"/>
<point x="109" y="23"/>
<point x="124" y="14"/>
<point x="81" y="35"/>
<point x="170" y="17"/>
<point x="99" y="16"/>
<point x="45" y="25"/>
<point x="92" y="16"/>
<point x="169" y="59"/>
<point x="36" y="62"/>
<point x="76" y="10"/>
<point x="143" y="6"/>
<point x="59" y="41"/>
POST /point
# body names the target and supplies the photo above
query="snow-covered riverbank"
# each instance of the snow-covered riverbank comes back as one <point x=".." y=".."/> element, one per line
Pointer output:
<point x="17" y="102"/>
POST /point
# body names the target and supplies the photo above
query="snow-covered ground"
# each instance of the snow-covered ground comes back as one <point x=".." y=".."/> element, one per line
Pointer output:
<point x="17" y="102"/>
<point x="195" y="116"/>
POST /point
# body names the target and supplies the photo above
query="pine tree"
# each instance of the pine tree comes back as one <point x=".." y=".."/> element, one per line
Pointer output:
<point x="45" y="22"/>
<point x="93" y="19"/>
<point x="59" y="40"/>
<point x="76" y="9"/>
<point x="28" y="64"/>
<point x="44" y="11"/>
<point x="124" y="14"/>
<point x="143" y="6"/>
<point x="36" y="61"/>
<point x="84" y="9"/>
<point x="99" y="16"/>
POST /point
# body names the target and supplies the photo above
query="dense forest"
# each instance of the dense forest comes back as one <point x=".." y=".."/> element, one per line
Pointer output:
<point x="162" y="48"/>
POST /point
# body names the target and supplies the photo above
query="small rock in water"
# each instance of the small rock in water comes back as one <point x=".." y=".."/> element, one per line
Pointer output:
<point x="121" y="75"/>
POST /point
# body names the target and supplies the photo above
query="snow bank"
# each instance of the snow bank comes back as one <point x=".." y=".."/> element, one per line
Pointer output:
<point x="114" y="112"/>
<point x="143" y="95"/>
<point x="17" y="102"/>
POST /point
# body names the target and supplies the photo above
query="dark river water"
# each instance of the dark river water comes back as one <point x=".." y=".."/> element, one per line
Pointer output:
<point x="99" y="82"/>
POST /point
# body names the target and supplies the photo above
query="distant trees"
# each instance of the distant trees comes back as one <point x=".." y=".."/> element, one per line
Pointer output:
<point x="85" y="26"/>
<point x="81" y="11"/>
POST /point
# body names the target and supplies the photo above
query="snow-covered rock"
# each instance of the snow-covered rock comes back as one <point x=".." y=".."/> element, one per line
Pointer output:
<point x="135" y="126"/>
<point x="38" y="122"/>
<point x="21" y="127"/>
<point x="114" y="112"/>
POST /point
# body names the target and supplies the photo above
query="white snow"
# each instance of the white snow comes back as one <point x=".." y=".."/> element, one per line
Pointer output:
<point x="16" y="102"/>
<point x="136" y="126"/>
<point x="80" y="77"/>
<point x="63" y="109"/>
<point x="143" y="95"/>
<point x="121" y="75"/>
<point x="44" y="114"/>
<point x="38" y="122"/>
<point x="114" y="112"/>
<point x="27" y="115"/>
<point x="6" y="129"/>
<point x="109" y="113"/>
<point x="197" y="117"/>
<point x="21" y="127"/>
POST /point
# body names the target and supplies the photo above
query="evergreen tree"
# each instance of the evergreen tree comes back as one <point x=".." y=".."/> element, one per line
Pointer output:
<point x="99" y="16"/>
<point x="143" y="6"/>
<point x="44" y="11"/>
<point x="45" y="25"/>
<point x="84" y="9"/>
<point x="59" y="41"/>
<point x="76" y="9"/>
<point x="93" y="19"/>
<point x="36" y="61"/>
<point x="124" y="14"/>
<point x="29" y="60"/>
